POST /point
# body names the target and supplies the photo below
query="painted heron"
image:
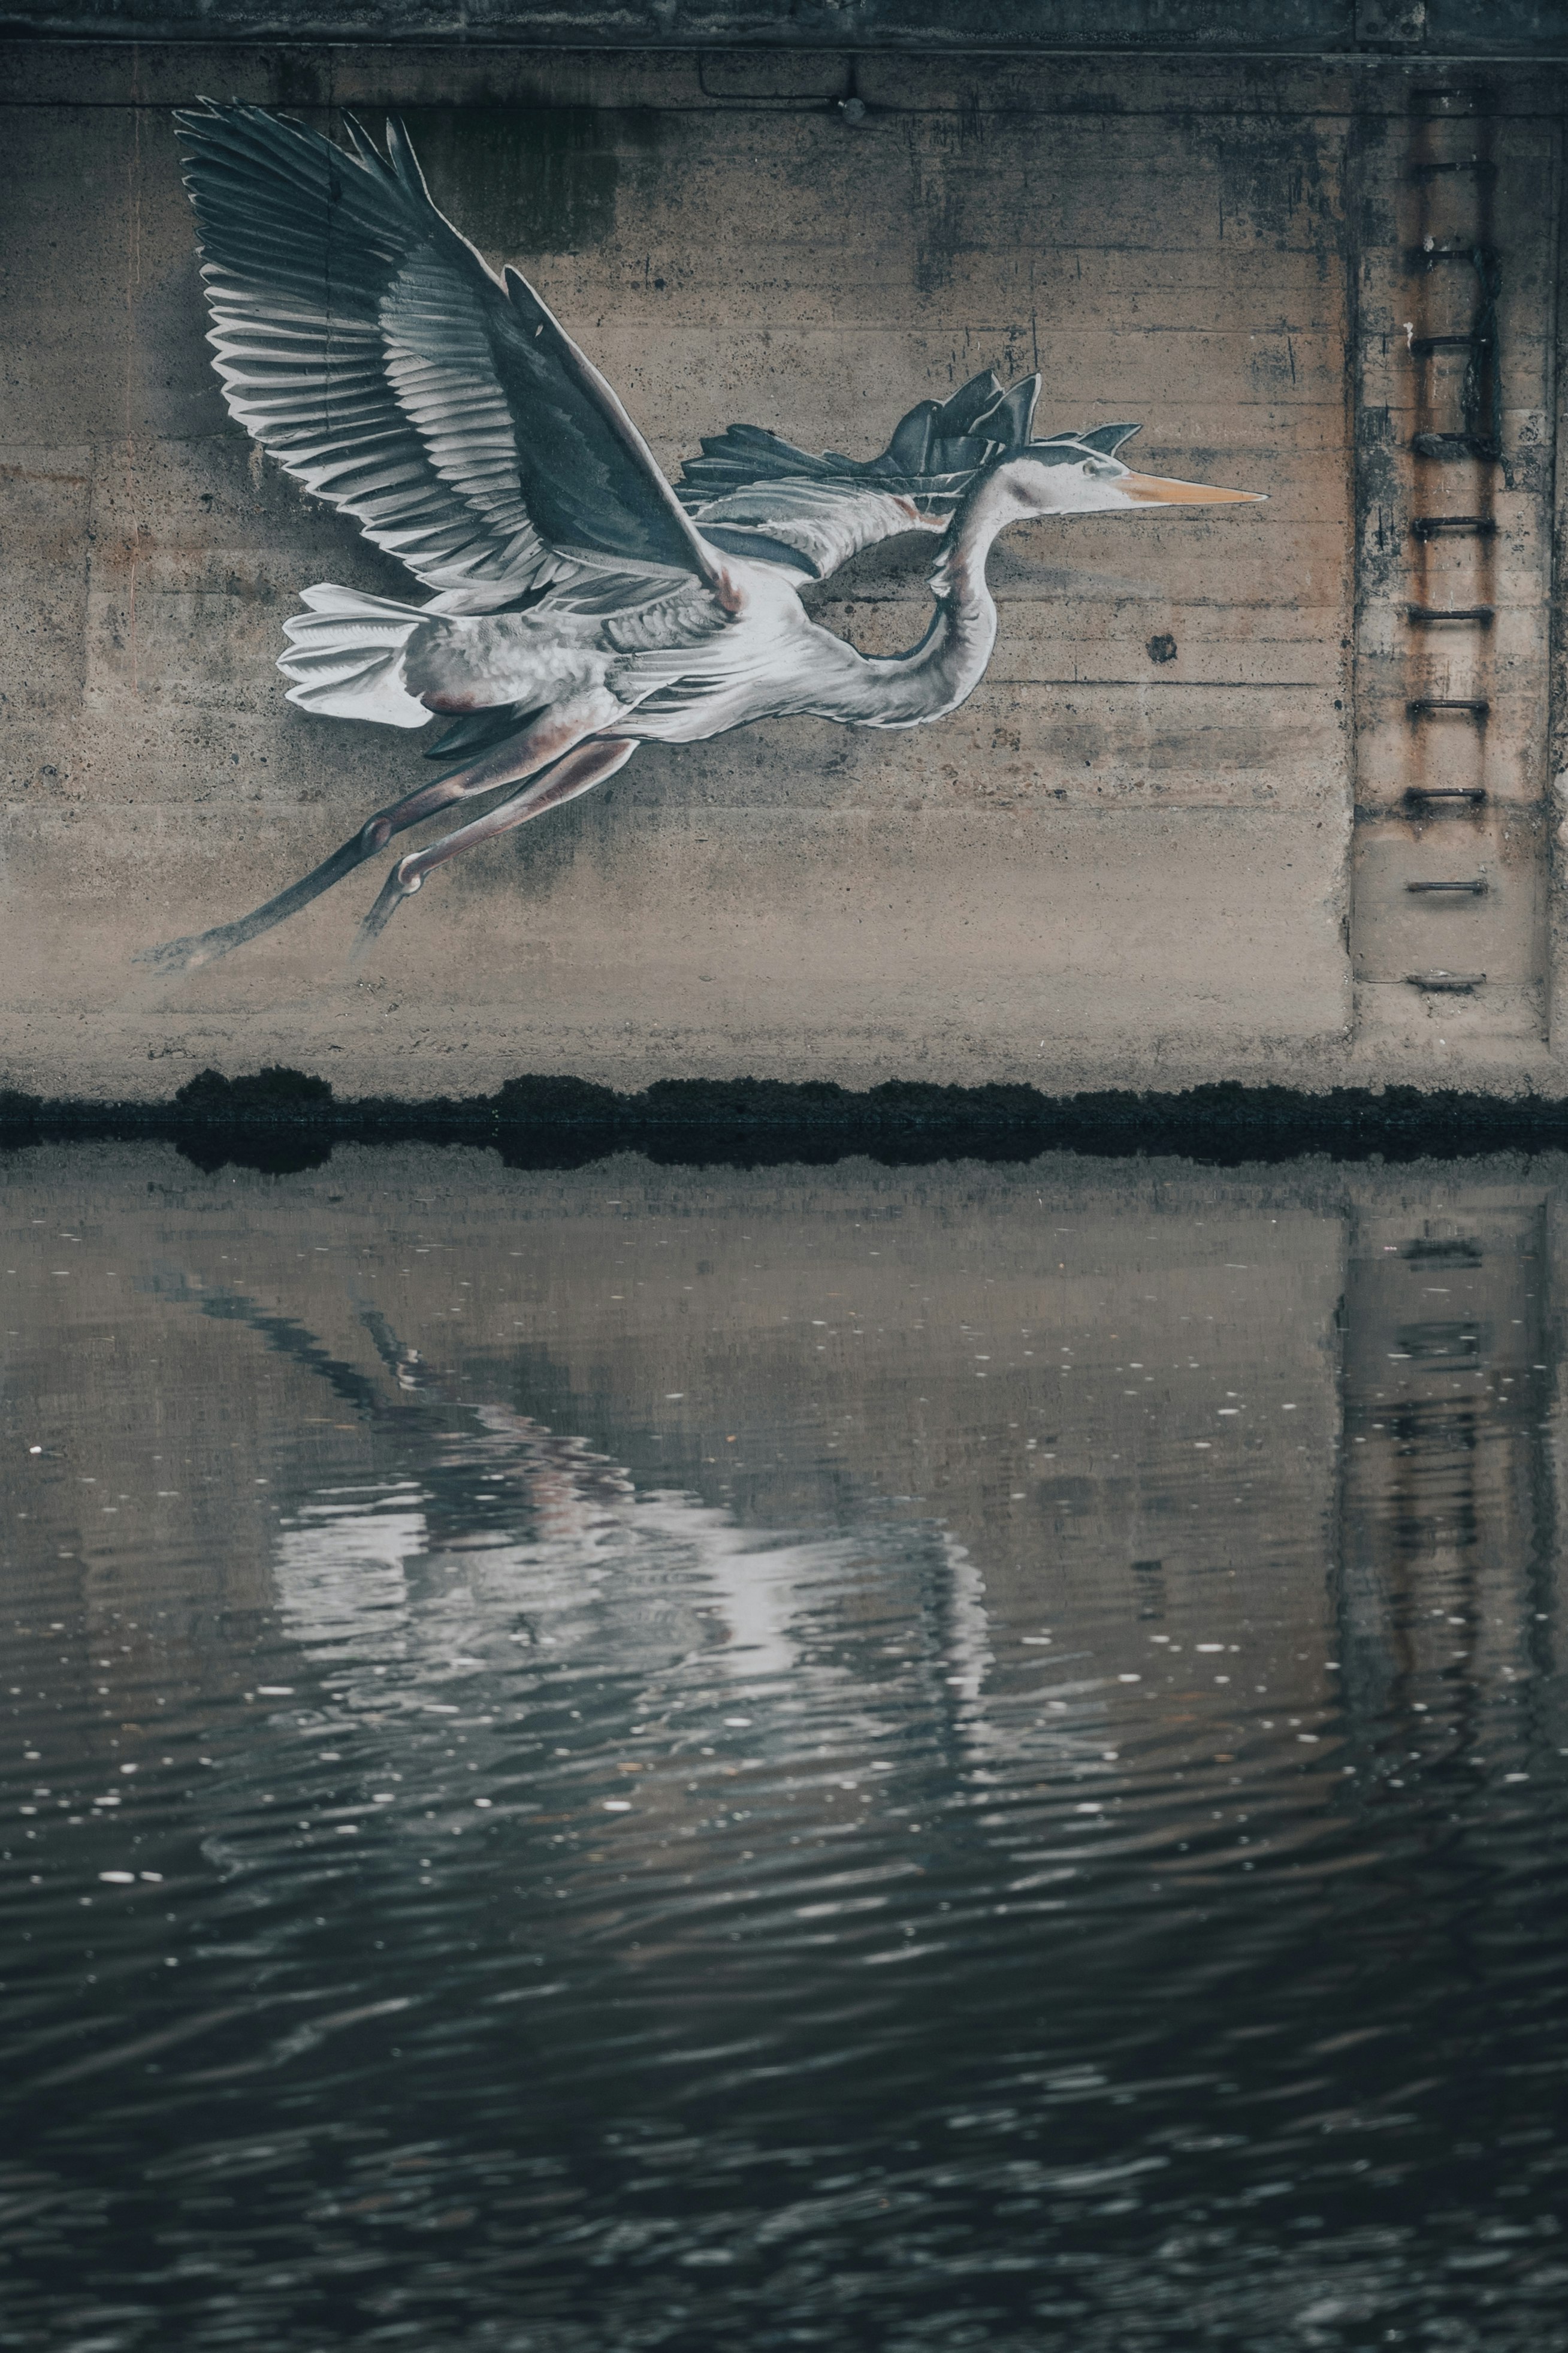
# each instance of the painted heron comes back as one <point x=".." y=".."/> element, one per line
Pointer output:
<point x="581" y="603"/>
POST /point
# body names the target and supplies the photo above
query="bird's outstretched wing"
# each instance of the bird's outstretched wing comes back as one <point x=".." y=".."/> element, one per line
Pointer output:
<point x="370" y="350"/>
<point x="754" y="494"/>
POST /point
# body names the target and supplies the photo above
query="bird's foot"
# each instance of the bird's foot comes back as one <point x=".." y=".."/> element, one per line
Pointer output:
<point x="400" y="884"/>
<point x="186" y="955"/>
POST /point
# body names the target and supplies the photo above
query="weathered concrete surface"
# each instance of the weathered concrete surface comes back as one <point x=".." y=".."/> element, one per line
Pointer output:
<point x="1260" y="27"/>
<point x="1117" y="865"/>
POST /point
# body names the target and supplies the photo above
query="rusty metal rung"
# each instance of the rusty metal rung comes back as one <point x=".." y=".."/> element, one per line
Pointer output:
<point x="1482" y="615"/>
<point x="1453" y="444"/>
<point x="1474" y="889"/>
<point x="1476" y="704"/>
<point x="1446" y="984"/>
<point x="1476" y="164"/>
<point x="1450" y="343"/>
<point x="1478" y="526"/>
<point x="1473" y="794"/>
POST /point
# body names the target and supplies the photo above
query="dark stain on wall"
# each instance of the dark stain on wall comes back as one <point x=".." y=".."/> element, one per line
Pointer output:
<point x="530" y="179"/>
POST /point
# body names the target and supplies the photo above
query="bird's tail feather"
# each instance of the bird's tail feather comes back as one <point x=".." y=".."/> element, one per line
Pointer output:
<point x="345" y="656"/>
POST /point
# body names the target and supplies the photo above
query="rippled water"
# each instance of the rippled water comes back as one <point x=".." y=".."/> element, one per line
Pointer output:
<point x="837" y="1757"/>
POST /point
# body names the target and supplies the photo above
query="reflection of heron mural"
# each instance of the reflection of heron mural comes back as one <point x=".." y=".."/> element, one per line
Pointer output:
<point x="485" y="1542"/>
<point x="581" y="605"/>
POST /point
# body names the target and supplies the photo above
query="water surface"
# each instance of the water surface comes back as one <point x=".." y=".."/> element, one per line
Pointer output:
<point x="644" y="1757"/>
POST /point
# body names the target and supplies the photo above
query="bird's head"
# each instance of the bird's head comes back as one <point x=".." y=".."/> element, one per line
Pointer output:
<point x="1080" y="473"/>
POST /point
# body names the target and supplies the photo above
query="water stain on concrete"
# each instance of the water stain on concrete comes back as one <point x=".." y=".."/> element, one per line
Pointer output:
<point x="529" y="179"/>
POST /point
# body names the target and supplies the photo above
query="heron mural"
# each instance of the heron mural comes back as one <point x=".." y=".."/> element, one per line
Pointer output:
<point x="580" y="604"/>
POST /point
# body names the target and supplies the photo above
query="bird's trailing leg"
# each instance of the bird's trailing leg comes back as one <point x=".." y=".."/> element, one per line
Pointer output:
<point x="508" y="763"/>
<point x="589" y="764"/>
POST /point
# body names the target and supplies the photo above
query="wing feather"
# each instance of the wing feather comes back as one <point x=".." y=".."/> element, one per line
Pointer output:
<point x="368" y="347"/>
<point x="750" y="481"/>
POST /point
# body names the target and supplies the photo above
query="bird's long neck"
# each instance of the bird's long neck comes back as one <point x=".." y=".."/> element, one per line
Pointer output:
<point x="951" y="660"/>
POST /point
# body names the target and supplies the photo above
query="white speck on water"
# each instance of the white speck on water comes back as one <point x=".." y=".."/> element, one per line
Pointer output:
<point x="617" y="1805"/>
<point x="348" y="1830"/>
<point x="118" y="1878"/>
<point x="740" y="1723"/>
<point x="275" y="1691"/>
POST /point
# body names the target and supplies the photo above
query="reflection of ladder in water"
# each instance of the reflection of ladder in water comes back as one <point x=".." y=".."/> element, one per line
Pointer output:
<point x="1448" y="1503"/>
<point x="1455" y="502"/>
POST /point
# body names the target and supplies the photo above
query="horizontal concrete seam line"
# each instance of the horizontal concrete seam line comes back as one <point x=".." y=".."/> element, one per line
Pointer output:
<point x="1331" y="801"/>
<point x="26" y="33"/>
<point x="1153" y="112"/>
<point x="147" y="696"/>
<point x="1209" y="334"/>
<point x="911" y="328"/>
<point x="1314" y="686"/>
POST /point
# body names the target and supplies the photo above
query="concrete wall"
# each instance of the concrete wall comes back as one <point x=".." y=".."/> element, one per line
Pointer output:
<point x="1109" y="868"/>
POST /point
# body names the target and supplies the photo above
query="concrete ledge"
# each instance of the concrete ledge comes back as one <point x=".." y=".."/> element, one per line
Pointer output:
<point x="1499" y="28"/>
<point x="279" y="1119"/>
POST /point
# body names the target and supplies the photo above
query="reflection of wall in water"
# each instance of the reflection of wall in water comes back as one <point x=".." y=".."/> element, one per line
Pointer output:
<point x="791" y="1349"/>
<point x="1074" y="1363"/>
<point x="1447" y="1504"/>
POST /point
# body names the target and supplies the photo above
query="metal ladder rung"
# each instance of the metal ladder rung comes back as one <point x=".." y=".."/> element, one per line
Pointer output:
<point x="1481" y="614"/>
<point x="1446" y="984"/>
<point x="1476" y="526"/>
<point x="1424" y="706"/>
<point x="1475" y="888"/>
<point x="1455" y="445"/>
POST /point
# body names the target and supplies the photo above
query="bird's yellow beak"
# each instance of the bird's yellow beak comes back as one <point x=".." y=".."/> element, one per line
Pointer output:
<point x="1154" y="490"/>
